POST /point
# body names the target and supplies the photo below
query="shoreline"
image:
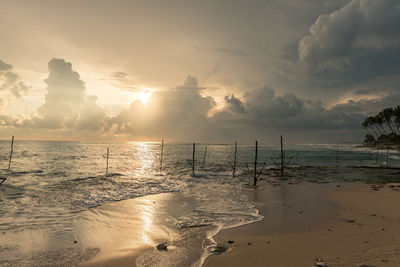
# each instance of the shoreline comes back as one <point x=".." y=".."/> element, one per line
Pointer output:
<point x="314" y="213"/>
<point x="342" y="224"/>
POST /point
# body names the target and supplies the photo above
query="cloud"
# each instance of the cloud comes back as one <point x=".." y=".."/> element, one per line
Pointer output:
<point x="370" y="106"/>
<point x="119" y="75"/>
<point x="357" y="42"/>
<point x="190" y="82"/>
<point x="179" y="113"/>
<point x="10" y="81"/>
<point x="66" y="103"/>
<point x="182" y="113"/>
<point x="4" y="66"/>
<point x="263" y="108"/>
<point x="233" y="104"/>
<point x="223" y="50"/>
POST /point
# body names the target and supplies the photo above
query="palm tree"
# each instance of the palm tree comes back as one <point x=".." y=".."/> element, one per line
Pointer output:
<point x="396" y="117"/>
<point x="379" y="121"/>
<point x="372" y="122"/>
<point x="367" y="124"/>
<point x="387" y="114"/>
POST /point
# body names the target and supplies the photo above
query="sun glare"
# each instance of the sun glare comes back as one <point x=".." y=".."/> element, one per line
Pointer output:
<point x="144" y="97"/>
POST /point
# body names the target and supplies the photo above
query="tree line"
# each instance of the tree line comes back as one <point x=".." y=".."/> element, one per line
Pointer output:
<point x="383" y="128"/>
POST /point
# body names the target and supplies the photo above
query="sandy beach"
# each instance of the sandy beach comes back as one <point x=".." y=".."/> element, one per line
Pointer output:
<point x="341" y="224"/>
<point x="331" y="224"/>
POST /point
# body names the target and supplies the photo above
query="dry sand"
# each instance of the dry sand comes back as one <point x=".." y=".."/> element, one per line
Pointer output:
<point x="342" y="223"/>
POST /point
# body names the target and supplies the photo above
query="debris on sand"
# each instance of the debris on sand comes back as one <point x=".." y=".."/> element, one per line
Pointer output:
<point x="162" y="247"/>
<point x="320" y="262"/>
<point x="217" y="250"/>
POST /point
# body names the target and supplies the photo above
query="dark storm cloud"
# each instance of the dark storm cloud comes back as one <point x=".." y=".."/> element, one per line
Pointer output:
<point x="358" y="42"/>
<point x="370" y="106"/>
<point x="233" y="104"/>
<point x="262" y="107"/>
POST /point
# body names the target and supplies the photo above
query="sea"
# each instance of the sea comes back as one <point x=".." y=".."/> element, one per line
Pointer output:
<point x="60" y="206"/>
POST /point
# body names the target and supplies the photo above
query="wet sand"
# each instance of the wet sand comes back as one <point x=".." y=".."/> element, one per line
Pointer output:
<point x="343" y="224"/>
<point x="132" y="229"/>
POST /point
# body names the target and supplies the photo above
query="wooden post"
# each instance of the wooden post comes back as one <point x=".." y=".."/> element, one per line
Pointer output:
<point x="387" y="155"/>
<point x="377" y="154"/>
<point x="107" y="156"/>
<point x="194" y="151"/>
<point x="282" y="157"/>
<point x="234" y="161"/>
<point x="255" y="164"/>
<point x="162" y="153"/>
<point x="337" y="157"/>
<point x="11" y="152"/>
<point x="204" y="157"/>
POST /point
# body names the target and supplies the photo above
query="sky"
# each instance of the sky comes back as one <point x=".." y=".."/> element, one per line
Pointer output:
<point x="197" y="71"/>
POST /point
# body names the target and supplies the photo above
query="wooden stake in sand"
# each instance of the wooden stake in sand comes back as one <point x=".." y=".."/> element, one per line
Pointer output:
<point x="337" y="157"/>
<point x="255" y="164"/>
<point x="107" y="156"/>
<point x="387" y="155"/>
<point x="282" y="157"/>
<point x="194" y="152"/>
<point x="255" y="173"/>
<point x="162" y="153"/>
<point x="234" y="161"/>
<point x="233" y="166"/>
<point x="283" y="162"/>
<point x="11" y="152"/>
<point x="204" y="157"/>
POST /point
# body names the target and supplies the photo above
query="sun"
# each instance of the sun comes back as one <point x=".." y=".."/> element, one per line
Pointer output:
<point x="144" y="96"/>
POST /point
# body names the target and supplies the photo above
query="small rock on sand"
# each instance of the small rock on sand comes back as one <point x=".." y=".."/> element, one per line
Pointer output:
<point x="162" y="247"/>
<point x="320" y="262"/>
<point x="218" y="249"/>
<point x="231" y="241"/>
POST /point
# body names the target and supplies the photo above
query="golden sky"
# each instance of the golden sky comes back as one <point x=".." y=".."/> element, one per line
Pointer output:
<point x="196" y="70"/>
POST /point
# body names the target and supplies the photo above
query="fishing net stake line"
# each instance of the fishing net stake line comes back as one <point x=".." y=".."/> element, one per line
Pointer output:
<point x="283" y="163"/>
<point x="3" y="179"/>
